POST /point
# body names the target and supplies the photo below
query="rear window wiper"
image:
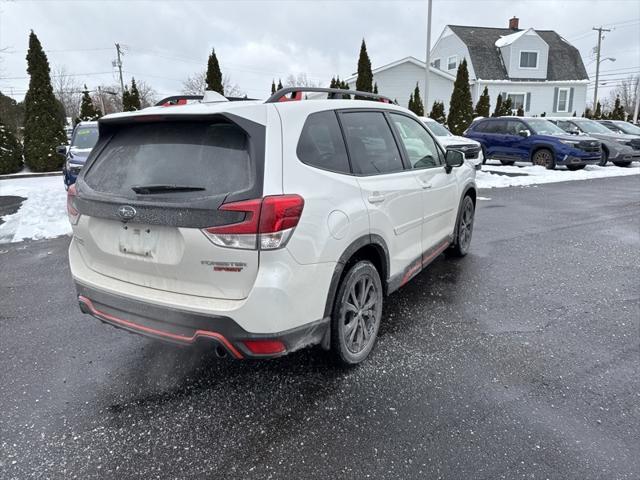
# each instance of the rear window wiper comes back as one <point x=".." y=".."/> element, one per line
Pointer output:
<point x="161" y="188"/>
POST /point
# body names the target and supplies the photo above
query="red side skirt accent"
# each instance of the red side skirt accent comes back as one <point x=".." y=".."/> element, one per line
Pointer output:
<point x="424" y="262"/>
<point x="160" y="333"/>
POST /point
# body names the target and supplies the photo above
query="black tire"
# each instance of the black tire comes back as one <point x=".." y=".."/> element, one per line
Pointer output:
<point x="545" y="158"/>
<point x="484" y="155"/>
<point x="507" y="162"/>
<point x="573" y="168"/>
<point x="604" y="158"/>
<point x="464" y="228"/>
<point x="353" y="328"/>
<point x="622" y="164"/>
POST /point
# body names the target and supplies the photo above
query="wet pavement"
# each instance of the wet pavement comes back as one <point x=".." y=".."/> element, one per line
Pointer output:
<point x="519" y="361"/>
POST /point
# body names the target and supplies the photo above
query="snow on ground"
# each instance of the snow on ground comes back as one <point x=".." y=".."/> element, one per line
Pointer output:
<point x="514" y="176"/>
<point x="44" y="212"/>
<point x="42" y="215"/>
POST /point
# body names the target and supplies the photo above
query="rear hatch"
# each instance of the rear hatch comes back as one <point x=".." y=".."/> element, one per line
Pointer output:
<point x="151" y="188"/>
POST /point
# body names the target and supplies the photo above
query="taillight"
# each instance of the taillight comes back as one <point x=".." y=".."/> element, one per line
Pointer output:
<point x="268" y="223"/>
<point x="73" y="214"/>
<point x="265" y="347"/>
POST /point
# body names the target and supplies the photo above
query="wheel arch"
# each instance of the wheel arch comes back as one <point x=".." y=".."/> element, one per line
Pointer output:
<point x="471" y="191"/>
<point x="541" y="146"/>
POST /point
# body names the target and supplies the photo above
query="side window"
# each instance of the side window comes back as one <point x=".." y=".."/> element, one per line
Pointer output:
<point x="481" y="127"/>
<point x="514" y="127"/>
<point x="420" y="146"/>
<point x="566" y="126"/>
<point x="321" y="144"/>
<point x="371" y="145"/>
<point x="496" y="127"/>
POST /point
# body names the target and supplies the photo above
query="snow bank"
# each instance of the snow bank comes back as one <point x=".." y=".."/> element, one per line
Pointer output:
<point x="42" y="215"/>
<point x="489" y="176"/>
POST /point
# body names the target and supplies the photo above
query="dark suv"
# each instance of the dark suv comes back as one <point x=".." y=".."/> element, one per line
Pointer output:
<point x="536" y="140"/>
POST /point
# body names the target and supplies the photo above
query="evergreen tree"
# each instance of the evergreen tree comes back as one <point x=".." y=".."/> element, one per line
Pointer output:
<point x="460" y="106"/>
<point x="280" y="87"/>
<point x="498" y="110"/>
<point x="87" y="110"/>
<point x="126" y="100"/>
<point x="410" y="105"/>
<point x="213" y="77"/>
<point x="10" y="151"/>
<point x="437" y="113"/>
<point x="43" y="130"/>
<point x="543" y="114"/>
<point x="618" y="110"/>
<point x="332" y="84"/>
<point x="506" y="108"/>
<point x="520" y="112"/>
<point x="135" y="96"/>
<point x="375" y="88"/>
<point x="483" y="106"/>
<point x="597" y="115"/>
<point x="364" y="81"/>
<point x="273" y="86"/>
<point x="587" y="113"/>
<point x="415" y="102"/>
<point x="575" y="113"/>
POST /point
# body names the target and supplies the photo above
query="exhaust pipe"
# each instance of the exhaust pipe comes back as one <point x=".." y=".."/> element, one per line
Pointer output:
<point x="220" y="352"/>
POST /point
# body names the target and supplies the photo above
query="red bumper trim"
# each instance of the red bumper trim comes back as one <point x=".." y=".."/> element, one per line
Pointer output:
<point x="160" y="333"/>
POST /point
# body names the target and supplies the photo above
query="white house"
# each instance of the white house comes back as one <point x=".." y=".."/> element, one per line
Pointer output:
<point x="537" y="69"/>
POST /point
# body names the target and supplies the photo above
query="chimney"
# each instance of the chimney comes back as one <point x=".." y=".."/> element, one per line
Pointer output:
<point x="513" y="23"/>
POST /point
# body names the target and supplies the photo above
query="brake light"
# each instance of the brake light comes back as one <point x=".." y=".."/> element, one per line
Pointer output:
<point x="72" y="212"/>
<point x="268" y="223"/>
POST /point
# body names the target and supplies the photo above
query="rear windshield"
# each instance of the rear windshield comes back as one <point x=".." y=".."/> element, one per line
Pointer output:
<point x="211" y="158"/>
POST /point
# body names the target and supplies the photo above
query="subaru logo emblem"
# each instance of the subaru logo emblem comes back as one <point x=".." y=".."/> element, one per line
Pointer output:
<point x="126" y="212"/>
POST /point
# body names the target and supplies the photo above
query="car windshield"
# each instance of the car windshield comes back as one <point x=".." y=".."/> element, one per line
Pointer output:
<point x="627" y="127"/>
<point x="544" y="127"/>
<point x="437" y="129"/>
<point x="85" y="137"/>
<point x="589" y="126"/>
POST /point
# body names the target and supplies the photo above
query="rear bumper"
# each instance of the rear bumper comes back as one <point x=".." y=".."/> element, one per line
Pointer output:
<point x="189" y="328"/>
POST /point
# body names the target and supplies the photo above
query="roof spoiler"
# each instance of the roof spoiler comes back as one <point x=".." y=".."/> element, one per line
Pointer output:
<point x="295" y="93"/>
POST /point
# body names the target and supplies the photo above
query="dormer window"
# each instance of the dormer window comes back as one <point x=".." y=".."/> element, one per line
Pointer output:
<point x="528" y="59"/>
<point x="452" y="62"/>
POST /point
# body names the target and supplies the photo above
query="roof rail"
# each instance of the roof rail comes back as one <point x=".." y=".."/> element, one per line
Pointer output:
<point x="281" y="95"/>
<point x="184" y="99"/>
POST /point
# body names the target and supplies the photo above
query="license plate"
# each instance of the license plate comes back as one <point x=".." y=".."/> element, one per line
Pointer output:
<point x="138" y="240"/>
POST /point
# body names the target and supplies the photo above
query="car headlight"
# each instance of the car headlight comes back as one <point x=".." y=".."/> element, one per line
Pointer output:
<point x="623" y="141"/>
<point x="570" y="142"/>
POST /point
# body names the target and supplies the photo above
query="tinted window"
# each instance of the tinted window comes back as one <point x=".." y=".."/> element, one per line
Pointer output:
<point x="208" y="155"/>
<point x="514" y="127"/>
<point x="85" y="137"/>
<point x="321" y="144"/>
<point x="494" y="126"/>
<point x="420" y="146"/>
<point x="371" y="145"/>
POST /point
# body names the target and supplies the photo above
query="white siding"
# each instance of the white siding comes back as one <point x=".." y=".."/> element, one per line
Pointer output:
<point x="399" y="82"/>
<point x="511" y="56"/>
<point x="541" y="95"/>
<point x="448" y="45"/>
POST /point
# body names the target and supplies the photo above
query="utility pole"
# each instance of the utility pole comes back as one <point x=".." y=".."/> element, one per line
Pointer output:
<point x="635" y="110"/>
<point x="119" y="65"/>
<point x="104" y="111"/>
<point x="595" y="90"/>
<point x="428" y="61"/>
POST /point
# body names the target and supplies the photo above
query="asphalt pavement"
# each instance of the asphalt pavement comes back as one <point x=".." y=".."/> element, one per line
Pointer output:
<point x="521" y="360"/>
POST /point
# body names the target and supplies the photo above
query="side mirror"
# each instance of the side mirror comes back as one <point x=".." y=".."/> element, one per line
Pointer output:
<point x="61" y="150"/>
<point x="453" y="158"/>
<point x="524" y="133"/>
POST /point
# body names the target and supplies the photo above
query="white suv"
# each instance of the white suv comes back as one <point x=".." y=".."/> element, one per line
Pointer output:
<point x="263" y="227"/>
<point x="471" y="149"/>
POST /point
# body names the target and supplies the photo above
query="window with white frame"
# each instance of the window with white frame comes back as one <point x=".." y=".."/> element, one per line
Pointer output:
<point x="436" y="63"/>
<point x="528" y="59"/>
<point x="563" y="100"/>
<point x="517" y="100"/>
<point x="452" y="62"/>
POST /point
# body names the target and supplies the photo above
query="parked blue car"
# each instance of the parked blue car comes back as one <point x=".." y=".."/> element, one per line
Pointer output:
<point x="84" y="137"/>
<point x="536" y="140"/>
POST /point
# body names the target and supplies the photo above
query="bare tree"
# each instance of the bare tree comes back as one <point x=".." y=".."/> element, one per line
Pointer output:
<point x="67" y="90"/>
<point x="300" y="80"/>
<point x="195" y="85"/>
<point x="627" y="90"/>
<point x="108" y="98"/>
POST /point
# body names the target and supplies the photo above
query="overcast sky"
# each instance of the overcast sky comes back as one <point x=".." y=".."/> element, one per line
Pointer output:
<point x="165" y="41"/>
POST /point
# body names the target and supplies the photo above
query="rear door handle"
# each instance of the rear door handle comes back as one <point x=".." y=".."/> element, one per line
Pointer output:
<point x="425" y="183"/>
<point x="376" y="198"/>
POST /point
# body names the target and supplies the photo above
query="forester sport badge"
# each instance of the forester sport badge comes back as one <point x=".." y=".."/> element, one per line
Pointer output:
<point x="127" y="212"/>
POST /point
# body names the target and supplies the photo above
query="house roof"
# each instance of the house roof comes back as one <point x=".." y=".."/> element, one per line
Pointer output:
<point x="507" y="40"/>
<point x="413" y="60"/>
<point x="564" y="63"/>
